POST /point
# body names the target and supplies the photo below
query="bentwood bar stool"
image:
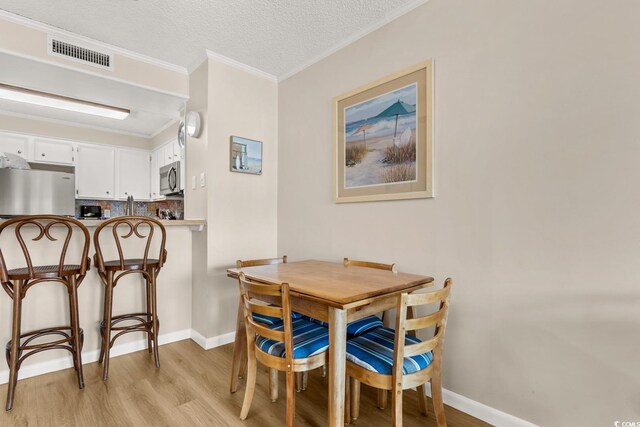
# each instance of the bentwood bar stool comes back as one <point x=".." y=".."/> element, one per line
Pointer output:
<point x="150" y="231"/>
<point x="28" y="234"/>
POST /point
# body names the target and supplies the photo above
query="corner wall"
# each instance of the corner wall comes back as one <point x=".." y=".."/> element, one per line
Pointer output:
<point x="241" y="209"/>
<point x="536" y="208"/>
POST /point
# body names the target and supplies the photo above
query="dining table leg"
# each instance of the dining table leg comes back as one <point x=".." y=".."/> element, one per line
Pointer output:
<point x="238" y="349"/>
<point x="337" y="365"/>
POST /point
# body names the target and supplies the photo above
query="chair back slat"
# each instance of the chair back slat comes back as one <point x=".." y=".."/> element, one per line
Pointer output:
<point x="257" y="262"/>
<point x="44" y="225"/>
<point x="424" y="346"/>
<point x="264" y="331"/>
<point x="267" y="310"/>
<point x="428" y="297"/>
<point x="425" y="321"/>
<point x="257" y="289"/>
<point x="132" y="227"/>
<point x="368" y="264"/>
<point x="250" y="292"/>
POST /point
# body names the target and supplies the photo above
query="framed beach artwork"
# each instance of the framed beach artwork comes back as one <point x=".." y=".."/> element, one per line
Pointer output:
<point x="384" y="138"/>
<point x="246" y="155"/>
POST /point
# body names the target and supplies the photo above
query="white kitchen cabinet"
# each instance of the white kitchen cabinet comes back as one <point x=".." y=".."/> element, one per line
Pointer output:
<point x="14" y="144"/>
<point x="172" y="152"/>
<point x="168" y="156"/>
<point x="95" y="172"/>
<point x="50" y="151"/>
<point x="156" y="158"/>
<point x="133" y="174"/>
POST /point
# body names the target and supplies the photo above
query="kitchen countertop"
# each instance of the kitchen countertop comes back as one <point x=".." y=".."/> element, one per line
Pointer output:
<point x="194" y="224"/>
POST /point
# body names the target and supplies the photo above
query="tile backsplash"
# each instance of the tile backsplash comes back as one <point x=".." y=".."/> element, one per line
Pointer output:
<point x="149" y="209"/>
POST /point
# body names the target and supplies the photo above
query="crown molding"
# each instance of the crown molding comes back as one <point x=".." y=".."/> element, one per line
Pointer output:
<point x="214" y="56"/>
<point x="18" y="19"/>
<point x="163" y="128"/>
<point x="355" y="37"/>
<point x="239" y="65"/>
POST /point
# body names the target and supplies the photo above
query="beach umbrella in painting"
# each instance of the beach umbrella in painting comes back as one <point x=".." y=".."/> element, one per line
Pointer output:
<point x="363" y="129"/>
<point x="396" y="109"/>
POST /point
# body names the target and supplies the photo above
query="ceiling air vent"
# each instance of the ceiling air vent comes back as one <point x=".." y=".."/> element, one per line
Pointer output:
<point x="83" y="54"/>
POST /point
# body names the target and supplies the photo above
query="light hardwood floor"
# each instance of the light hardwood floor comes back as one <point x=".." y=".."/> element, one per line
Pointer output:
<point x="190" y="389"/>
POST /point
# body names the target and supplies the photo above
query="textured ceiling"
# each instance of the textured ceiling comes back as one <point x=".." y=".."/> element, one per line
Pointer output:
<point x="275" y="36"/>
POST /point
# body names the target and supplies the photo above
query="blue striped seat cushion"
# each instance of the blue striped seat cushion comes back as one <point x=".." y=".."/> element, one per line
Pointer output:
<point x="273" y="321"/>
<point x="308" y="339"/>
<point x="374" y="352"/>
<point x="357" y="327"/>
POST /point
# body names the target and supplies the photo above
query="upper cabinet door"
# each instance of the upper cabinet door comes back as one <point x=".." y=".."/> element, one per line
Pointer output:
<point x="156" y="157"/>
<point x="95" y="172"/>
<point x="133" y="176"/>
<point x="47" y="151"/>
<point x="168" y="155"/>
<point x="177" y="151"/>
<point x="14" y="144"/>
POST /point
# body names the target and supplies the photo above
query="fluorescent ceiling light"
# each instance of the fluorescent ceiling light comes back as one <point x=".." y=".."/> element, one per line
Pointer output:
<point x="28" y="96"/>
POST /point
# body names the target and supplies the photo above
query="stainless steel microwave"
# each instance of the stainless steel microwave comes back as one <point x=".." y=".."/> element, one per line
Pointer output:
<point x="170" y="179"/>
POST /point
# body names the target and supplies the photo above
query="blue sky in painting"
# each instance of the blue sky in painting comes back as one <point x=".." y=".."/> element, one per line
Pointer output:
<point x="375" y="106"/>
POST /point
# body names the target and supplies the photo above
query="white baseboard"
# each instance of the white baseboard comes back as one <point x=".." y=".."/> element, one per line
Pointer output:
<point x="212" y="342"/>
<point x="479" y="410"/>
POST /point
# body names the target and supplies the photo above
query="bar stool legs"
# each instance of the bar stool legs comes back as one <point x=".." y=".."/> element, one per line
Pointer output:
<point x="105" y="328"/>
<point x="15" y="348"/>
<point x="147" y="322"/>
<point x="78" y="336"/>
<point x="154" y="317"/>
<point x="14" y="354"/>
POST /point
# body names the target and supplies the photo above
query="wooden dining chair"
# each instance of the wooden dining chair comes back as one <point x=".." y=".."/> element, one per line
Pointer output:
<point x="368" y="323"/>
<point x="295" y="346"/>
<point x="239" y="362"/>
<point x="394" y="360"/>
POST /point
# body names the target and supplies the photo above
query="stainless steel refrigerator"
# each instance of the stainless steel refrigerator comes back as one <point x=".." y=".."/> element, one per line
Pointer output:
<point x="33" y="192"/>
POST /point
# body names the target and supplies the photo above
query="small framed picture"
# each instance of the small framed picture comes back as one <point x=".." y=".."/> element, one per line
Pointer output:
<point x="246" y="155"/>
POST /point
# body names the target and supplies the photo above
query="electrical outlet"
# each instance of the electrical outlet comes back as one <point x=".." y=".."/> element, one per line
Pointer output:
<point x="202" y="180"/>
<point x="193" y="182"/>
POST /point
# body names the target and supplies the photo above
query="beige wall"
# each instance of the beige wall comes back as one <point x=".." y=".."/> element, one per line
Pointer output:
<point x="196" y="148"/>
<point x="241" y="208"/>
<point x="71" y="133"/>
<point x="536" y="213"/>
<point x="196" y="201"/>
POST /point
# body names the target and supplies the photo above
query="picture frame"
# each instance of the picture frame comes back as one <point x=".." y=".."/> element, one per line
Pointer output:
<point x="245" y="155"/>
<point x="383" y="138"/>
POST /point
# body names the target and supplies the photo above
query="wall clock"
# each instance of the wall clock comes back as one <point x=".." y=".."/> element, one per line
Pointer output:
<point x="193" y="124"/>
<point x="181" y="135"/>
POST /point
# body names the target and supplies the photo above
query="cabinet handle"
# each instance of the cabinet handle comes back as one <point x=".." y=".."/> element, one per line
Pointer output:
<point x="107" y="192"/>
<point x="126" y="194"/>
<point x="43" y="155"/>
<point x="19" y="151"/>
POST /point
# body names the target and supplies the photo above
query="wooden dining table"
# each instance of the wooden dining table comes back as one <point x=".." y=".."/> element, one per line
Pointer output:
<point x="336" y="294"/>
